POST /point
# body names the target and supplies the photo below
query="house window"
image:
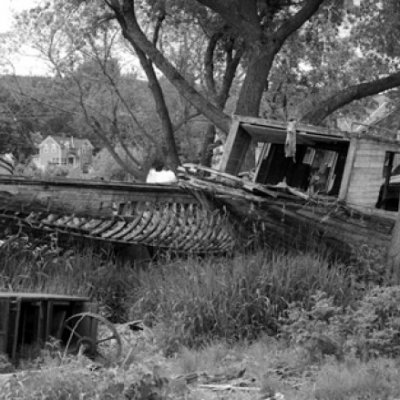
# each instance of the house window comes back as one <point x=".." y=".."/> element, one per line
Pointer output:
<point x="45" y="149"/>
<point x="70" y="160"/>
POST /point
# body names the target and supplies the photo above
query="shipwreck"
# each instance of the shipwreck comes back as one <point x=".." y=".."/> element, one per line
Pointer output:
<point x="339" y="187"/>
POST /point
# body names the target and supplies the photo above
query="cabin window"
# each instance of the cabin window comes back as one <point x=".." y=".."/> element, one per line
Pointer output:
<point x="392" y="162"/>
<point x="315" y="169"/>
<point x="70" y="160"/>
<point x="389" y="192"/>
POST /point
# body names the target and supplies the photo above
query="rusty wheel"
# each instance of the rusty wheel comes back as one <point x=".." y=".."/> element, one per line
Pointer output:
<point x="94" y="336"/>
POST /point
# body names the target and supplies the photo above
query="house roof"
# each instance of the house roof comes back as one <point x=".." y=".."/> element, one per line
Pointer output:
<point x="64" y="141"/>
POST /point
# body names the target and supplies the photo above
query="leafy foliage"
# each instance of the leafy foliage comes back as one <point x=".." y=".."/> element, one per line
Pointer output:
<point x="375" y="324"/>
<point x="370" y="328"/>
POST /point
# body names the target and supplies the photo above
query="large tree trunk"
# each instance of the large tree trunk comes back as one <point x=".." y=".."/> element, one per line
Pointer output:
<point x="254" y="83"/>
<point x="220" y="98"/>
<point x="171" y="155"/>
<point x="394" y="247"/>
<point x="252" y="90"/>
<point x="207" y="146"/>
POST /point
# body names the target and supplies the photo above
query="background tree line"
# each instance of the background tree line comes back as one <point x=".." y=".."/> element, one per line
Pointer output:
<point x="312" y="60"/>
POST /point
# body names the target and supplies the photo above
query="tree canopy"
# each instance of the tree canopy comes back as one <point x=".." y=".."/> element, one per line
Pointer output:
<point x="302" y="59"/>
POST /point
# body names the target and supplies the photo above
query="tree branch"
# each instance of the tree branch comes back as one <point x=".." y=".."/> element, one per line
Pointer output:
<point x="230" y="71"/>
<point x="133" y="33"/>
<point x="161" y="107"/>
<point x="209" y="63"/>
<point x="296" y="21"/>
<point x="98" y="130"/>
<point x="159" y="22"/>
<point x="346" y="96"/>
<point x="238" y="15"/>
<point x="119" y="94"/>
<point x="117" y="132"/>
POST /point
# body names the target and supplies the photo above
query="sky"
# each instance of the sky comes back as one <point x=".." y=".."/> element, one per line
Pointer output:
<point x="26" y="61"/>
<point x="7" y="7"/>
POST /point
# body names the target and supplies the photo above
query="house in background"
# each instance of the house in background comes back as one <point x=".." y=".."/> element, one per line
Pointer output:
<point x="65" y="151"/>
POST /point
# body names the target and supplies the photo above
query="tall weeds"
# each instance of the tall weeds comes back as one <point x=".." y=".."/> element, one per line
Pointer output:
<point x="195" y="300"/>
<point x="27" y="266"/>
<point x="190" y="300"/>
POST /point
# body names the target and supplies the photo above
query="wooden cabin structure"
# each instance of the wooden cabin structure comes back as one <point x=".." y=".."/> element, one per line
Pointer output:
<point x="337" y="187"/>
<point x="358" y="165"/>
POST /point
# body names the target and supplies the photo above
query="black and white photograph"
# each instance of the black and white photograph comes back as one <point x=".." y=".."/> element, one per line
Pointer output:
<point x="199" y="199"/>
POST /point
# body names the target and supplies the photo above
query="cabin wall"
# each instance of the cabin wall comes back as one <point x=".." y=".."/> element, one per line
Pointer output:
<point x="366" y="176"/>
<point x="236" y="146"/>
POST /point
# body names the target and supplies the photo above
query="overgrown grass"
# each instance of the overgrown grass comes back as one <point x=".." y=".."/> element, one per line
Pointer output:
<point x="376" y="379"/>
<point x="217" y="313"/>
<point x="187" y="301"/>
<point x="196" y="300"/>
<point x="28" y="266"/>
<point x="192" y="300"/>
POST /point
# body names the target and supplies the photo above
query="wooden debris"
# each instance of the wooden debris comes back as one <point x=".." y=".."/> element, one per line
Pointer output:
<point x="223" y="387"/>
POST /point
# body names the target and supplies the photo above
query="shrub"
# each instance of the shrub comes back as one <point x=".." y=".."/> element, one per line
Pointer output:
<point x="370" y="328"/>
<point x="375" y="324"/>
<point x="320" y="330"/>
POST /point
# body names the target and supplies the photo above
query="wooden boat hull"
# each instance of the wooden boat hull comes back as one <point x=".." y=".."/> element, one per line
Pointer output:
<point x="151" y="215"/>
<point x="197" y="215"/>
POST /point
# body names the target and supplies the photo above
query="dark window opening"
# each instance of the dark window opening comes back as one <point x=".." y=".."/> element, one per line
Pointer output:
<point x="389" y="192"/>
<point x="317" y="169"/>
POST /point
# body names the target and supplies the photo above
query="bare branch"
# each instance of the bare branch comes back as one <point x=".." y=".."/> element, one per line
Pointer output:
<point x="160" y="19"/>
<point x="98" y="130"/>
<point x="137" y="38"/>
<point x="119" y="94"/>
<point x="117" y="132"/>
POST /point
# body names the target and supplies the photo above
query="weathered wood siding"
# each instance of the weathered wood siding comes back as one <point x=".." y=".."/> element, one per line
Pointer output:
<point x="236" y="147"/>
<point x="366" y="175"/>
